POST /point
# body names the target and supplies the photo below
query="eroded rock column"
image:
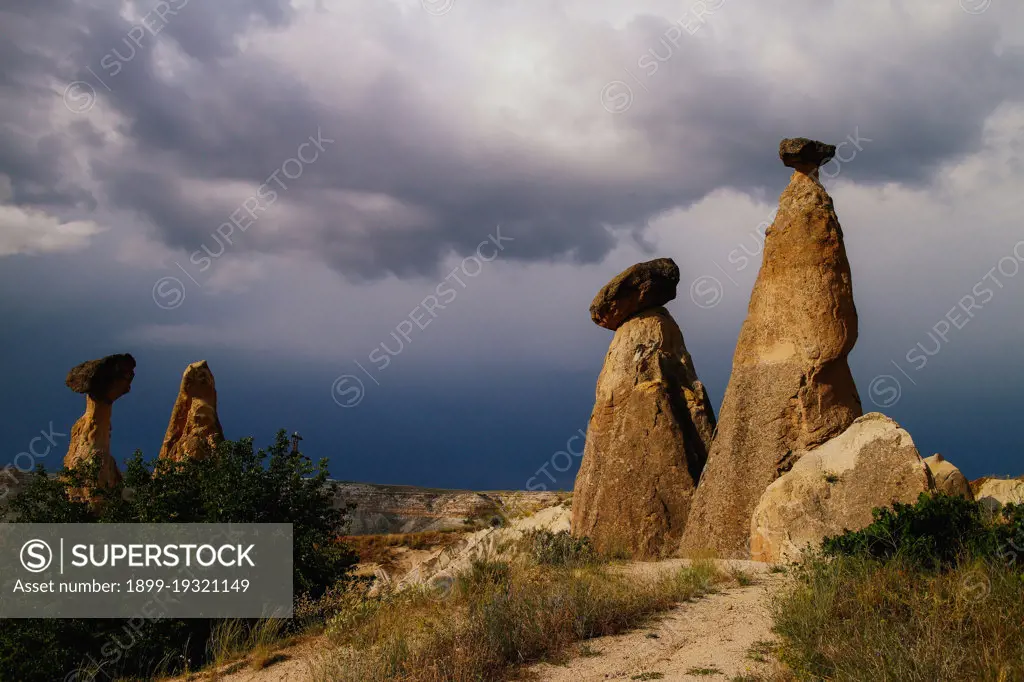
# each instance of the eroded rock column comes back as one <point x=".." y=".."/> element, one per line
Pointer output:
<point x="791" y="388"/>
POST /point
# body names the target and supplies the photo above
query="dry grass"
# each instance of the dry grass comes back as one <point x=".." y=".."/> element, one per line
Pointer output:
<point x="235" y="644"/>
<point x="498" y="615"/>
<point x="856" y="619"/>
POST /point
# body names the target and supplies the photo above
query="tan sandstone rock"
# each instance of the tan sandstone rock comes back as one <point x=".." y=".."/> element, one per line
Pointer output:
<point x="791" y="388"/>
<point x="646" y="443"/>
<point x="194" y="430"/>
<point x="948" y="478"/>
<point x="102" y="381"/>
<point x="640" y="287"/>
<point x="993" y="493"/>
<point x="835" y="486"/>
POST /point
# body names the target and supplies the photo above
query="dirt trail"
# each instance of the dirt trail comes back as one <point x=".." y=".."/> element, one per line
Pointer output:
<point x="713" y="638"/>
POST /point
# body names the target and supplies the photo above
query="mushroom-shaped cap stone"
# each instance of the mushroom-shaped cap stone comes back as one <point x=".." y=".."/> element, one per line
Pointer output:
<point x="805" y="155"/>
<point x="638" y="288"/>
<point x="106" y="379"/>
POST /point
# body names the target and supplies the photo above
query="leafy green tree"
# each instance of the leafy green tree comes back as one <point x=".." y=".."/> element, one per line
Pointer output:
<point x="236" y="485"/>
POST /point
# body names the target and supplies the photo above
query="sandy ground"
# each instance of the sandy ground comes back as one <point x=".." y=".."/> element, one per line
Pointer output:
<point x="711" y="638"/>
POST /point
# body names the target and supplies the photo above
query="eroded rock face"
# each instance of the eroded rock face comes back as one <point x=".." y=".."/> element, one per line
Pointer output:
<point x="647" y="441"/>
<point x="993" y="493"/>
<point x="791" y="388"/>
<point x="834" y="487"/>
<point x="948" y="478"/>
<point x="194" y="430"/>
<point x="641" y="287"/>
<point x="102" y="381"/>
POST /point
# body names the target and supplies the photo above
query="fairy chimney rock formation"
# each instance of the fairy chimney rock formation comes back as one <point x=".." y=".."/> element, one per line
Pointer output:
<point x="641" y="287"/>
<point x="791" y="388"/>
<point x="102" y="381"/>
<point x="194" y="430"/>
<point x="651" y="426"/>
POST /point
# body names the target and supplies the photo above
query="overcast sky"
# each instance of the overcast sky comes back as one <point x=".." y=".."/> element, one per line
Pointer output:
<point x="383" y="222"/>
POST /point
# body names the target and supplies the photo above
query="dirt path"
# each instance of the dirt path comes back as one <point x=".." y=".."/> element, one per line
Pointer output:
<point x="714" y="638"/>
<point x="717" y="637"/>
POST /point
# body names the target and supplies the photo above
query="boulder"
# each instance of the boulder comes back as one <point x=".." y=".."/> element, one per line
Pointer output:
<point x="948" y="478"/>
<point x="105" y="379"/>
<point x="993" y="493"/>
<point x="102" y="381"/>
<point x="641" y="287"/>
<point x="646" y="443"/>
<point x="791" y="388"/>
<point x="805" y="155"/>
<point x="834" y="487"/>
<point x="194" y="430"/>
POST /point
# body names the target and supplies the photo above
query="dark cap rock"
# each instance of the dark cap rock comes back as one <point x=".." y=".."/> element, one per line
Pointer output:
<point x="106" y="379"/>
<point x="635" y="289"/>
<point x="805" y="155"/>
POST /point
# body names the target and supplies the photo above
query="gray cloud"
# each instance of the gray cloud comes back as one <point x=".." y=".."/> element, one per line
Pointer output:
<point x="423" y="161"/>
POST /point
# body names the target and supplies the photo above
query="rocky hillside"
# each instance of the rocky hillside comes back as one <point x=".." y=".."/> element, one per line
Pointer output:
<point x="379" y="509"/>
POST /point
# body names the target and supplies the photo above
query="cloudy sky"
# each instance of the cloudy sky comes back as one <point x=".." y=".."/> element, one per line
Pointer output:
<point x="383" y="222"/>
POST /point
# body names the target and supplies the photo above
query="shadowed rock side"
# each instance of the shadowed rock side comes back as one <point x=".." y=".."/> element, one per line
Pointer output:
<point x="791" y="388"/>
<point x="647" y="441"/>
<point x="194" y="430"/>
<point x="102" y="381"/>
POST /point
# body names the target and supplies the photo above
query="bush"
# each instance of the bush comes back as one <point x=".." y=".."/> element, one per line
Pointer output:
<point x="237" y="485"/>
<point x="560" y="549"/>
<point x="936" y="533"/>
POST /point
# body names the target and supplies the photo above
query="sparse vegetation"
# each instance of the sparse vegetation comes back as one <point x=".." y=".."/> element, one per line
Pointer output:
<point x="742" y="578"/>
<point x="931" y="591"/>
<point x="499" y="615"/>
<point x="560" y="549"/>
<point x="704" y="672"/>
<point x="761" y="650"/>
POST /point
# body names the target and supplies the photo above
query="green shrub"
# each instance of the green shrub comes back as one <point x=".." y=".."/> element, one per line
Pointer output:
<point x="237" y="485"/>
<point x="560" y="549"/>
<point x="935" y="533"/>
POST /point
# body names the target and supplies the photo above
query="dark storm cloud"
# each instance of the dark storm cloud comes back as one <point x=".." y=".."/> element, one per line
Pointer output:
<point x="404" y="183"/>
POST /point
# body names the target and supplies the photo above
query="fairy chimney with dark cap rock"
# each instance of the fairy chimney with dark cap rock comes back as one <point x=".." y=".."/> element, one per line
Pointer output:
<point x="791" y="388"/>
<point x="652" y="423"/>
<point x="194" y="430"/>
<point x="641" y="287"/>
<point x="102" y="381"/>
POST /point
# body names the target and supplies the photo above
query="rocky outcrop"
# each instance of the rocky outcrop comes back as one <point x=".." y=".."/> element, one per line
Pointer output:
<point x="194" y="430"/>
<point x="647" y="441"/>
<point x="102" y="381"/>
<point x="834" y="487"/>
<point x="641" y="287"/>
<point x="948" y="478"/>
<point x="791" y="388"/>
<point x="993" y="493"/>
